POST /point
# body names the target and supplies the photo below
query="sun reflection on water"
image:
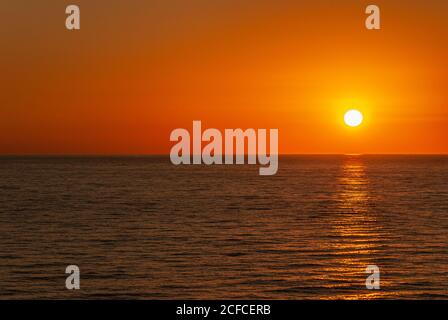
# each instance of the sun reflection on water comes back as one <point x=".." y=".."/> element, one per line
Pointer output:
<point x="356" y="232"/>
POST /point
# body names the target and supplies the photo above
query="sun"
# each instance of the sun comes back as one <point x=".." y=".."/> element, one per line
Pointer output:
<point x="353" y="118"/>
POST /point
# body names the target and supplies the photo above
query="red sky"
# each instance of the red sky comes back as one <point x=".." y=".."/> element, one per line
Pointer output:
<point x="139" y="69"/>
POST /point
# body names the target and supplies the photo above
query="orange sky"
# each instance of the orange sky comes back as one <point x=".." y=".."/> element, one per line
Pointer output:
<point x="139" y="69"/>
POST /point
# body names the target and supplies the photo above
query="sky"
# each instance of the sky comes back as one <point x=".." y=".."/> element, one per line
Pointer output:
<point x="139" y="69"/>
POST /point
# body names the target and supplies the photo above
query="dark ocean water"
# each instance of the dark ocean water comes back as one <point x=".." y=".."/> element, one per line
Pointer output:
<point x="139" y="227"/>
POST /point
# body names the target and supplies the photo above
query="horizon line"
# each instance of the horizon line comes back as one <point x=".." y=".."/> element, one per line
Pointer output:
<point x="167" y="154"/>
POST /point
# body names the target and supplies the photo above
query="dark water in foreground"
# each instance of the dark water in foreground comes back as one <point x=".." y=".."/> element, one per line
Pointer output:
<point x="143" y="228"/>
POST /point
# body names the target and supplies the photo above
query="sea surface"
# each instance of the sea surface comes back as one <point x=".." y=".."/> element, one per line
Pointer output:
<point x="142" y="228"/>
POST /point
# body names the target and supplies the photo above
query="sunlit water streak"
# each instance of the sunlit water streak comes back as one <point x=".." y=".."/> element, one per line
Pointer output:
<point x="139" y="227"/>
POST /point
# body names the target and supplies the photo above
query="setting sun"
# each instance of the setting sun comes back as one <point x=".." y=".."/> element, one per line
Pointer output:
<point x="353" y="118"/>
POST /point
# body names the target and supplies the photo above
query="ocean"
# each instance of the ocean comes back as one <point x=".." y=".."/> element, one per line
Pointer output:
<point x="142" y="228"/>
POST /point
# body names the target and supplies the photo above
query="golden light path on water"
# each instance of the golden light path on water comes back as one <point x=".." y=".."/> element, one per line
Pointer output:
<point x="357" y="231"/>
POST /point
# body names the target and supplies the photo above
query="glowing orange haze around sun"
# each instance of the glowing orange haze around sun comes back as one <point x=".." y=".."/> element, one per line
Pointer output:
<point x="137" y="70"/>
